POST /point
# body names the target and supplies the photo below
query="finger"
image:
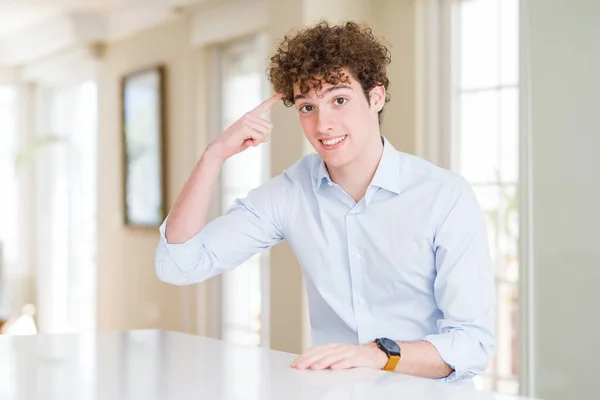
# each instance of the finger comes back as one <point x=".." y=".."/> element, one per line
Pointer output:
<point x="266" y="105"/>
<point x="257" y="136"/>
<point x="308" y="354"/>
<point x="254" y="140"/>
<point x="311" y="363"/>
<point x="256" y="126"/>
<point x="329" y="360"/>
<point x="258" y="120"/>
<point x="308" y="360"/>
<point x="345" y="363"/>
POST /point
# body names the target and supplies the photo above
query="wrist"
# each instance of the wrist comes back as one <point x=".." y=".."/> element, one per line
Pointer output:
<point x="380" y="359"/>
<point x="213" y="154"/>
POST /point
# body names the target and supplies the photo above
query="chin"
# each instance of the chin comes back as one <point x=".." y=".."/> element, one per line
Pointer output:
<point x="335" y="160"/>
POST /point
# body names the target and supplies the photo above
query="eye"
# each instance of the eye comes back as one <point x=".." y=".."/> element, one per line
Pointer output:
<point x="340" y="101"/>
<point x="306" y="109"/>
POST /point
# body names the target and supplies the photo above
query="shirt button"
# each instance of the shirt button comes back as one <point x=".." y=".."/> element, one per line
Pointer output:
<point x="362" y="301"/>
<point x="330" y="183"/>
<point x="357" y="256"/>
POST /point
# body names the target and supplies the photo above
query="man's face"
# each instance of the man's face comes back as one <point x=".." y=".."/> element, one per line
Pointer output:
<point x="338" y="121"/>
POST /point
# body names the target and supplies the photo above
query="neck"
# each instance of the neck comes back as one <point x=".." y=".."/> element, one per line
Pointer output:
<point x="355" y="177"/>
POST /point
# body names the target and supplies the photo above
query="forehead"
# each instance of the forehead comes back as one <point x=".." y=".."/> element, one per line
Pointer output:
<point x="314" y="89"/>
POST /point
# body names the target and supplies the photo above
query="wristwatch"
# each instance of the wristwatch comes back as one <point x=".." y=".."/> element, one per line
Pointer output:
<point x="391" y="350"/>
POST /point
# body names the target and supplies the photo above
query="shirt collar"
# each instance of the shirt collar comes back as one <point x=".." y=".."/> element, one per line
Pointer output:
<point x="387" y="176"/>
<point x="322" y="175"/>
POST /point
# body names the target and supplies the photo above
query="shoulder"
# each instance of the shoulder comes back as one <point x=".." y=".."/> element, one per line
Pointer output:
<point x="442" y="191"/>
<point x="275" y="198"/>
<point x="303" y="170"/>
<point x="422" y="172"/>
<point x="294" y="178"/>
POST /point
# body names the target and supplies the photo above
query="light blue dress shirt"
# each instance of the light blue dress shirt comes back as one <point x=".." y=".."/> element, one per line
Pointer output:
<point x="410" y="261"/>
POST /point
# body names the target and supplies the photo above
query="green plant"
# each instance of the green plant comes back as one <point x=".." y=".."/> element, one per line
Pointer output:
<point x="26" y="155"/>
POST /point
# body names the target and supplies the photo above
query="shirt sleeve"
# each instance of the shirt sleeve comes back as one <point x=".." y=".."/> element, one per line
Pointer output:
<point x="464" y="286"/>
<point x="251" y="225"/>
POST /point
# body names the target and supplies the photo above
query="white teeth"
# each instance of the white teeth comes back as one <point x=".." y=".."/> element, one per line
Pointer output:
<point x="333" y="141"/>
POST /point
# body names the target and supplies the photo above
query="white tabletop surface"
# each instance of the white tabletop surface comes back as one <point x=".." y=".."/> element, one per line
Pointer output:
<point x="160" y="365"/>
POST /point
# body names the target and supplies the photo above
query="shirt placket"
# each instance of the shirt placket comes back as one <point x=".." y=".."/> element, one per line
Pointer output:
<point x="357" y="259"/>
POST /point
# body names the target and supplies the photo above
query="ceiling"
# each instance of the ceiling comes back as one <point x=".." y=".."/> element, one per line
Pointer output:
<point x="16" y="15"/>
<point x="30" y="28"/>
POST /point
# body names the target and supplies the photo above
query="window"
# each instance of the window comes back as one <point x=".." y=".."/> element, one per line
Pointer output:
<point x="65" y="209"/>
<point x="484" y="138"/>
<point x="243" y="290"/>
<point x="9" y="226"/>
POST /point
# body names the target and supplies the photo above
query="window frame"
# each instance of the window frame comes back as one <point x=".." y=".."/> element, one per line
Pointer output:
<point x="436" y="58"/>
<point x="257" y="40"/>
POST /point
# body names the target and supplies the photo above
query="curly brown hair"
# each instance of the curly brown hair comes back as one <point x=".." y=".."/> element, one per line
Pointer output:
<point x="320" y="54"/>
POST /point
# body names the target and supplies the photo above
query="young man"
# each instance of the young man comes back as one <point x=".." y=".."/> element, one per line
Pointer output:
<point x="393" y="249"/>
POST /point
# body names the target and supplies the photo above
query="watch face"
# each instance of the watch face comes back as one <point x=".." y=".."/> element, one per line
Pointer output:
<point x="391" y="346"/>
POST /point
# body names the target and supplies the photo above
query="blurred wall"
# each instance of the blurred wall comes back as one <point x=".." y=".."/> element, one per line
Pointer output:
<point x="565" y="138"/>
<point x="129" y="294"/>
<point x="396" y="21"/>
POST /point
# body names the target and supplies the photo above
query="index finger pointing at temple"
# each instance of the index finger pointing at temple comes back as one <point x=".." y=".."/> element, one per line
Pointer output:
<point x="266" y="105"/>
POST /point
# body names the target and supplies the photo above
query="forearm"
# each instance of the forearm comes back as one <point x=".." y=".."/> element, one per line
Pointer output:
<point x="189" y="213"/>
<point x="422" y="359"/>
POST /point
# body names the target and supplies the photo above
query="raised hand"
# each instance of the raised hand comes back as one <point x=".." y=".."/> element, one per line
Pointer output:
<point x="250" y="130"/>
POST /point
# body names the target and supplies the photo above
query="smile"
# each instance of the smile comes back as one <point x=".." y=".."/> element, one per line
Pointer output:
<point x="334" y="141"/>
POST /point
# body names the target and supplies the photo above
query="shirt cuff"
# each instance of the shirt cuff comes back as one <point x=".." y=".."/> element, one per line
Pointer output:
<point x="185" y="255"/>
<point x="443" y="342"/>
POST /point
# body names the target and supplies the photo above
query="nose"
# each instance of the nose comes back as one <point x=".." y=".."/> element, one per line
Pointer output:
<point x="325" y="123"/>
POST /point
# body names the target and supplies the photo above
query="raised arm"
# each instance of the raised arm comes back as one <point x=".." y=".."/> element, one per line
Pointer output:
<point x="188" y="215"/>
<point x="190" y="250"/>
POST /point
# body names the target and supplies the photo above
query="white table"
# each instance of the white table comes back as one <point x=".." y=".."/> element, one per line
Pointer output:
<point x="157" y="365"/>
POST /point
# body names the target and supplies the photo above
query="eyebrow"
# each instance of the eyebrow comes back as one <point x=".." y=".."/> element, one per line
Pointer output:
<point x="324" y="92"/>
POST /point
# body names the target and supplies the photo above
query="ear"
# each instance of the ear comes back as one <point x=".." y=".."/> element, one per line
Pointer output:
<point x="377" y="98"/>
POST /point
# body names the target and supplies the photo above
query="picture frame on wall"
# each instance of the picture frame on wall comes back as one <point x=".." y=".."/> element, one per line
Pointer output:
<point x="143" y="129"/>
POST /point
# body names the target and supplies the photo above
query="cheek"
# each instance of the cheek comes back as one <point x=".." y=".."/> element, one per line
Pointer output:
<point x="353" y="119"/>
<point x="308" y="126"/>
